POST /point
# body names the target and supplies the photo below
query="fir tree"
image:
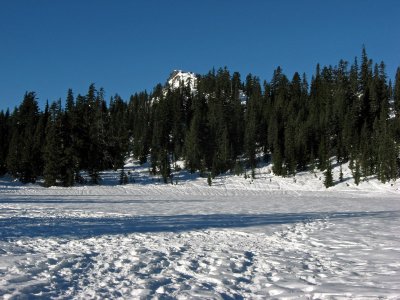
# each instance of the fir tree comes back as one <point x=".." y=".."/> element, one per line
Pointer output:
<point x="53" y="148"/>
<point x="396" y="94"/>
<point x="117" y="133"/>
<point x="39" y="141"/>
<point x="238" y="170"/>
<point x="357" y="173"/>
<point x="192" y="145"/>
<point x="22" y="155"/>
<point x="4" y="140"/>
<point x="97" y="154"/>
<point x="341" y="174"/>
<point x="123" y="177"/>
<point x="69" y="163"/>
<point x="209" y="179"/>
<point x="328" y="182"/>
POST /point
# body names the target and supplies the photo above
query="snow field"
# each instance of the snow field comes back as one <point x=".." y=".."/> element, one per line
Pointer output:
<point x="238" y="239"/>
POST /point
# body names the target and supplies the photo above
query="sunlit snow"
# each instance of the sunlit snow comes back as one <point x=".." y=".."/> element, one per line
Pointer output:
<point x="270" y="237"/>
<point x="179" y="77"/>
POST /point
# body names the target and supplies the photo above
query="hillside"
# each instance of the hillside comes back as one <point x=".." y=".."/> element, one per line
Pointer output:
<point x="215" y="122"/>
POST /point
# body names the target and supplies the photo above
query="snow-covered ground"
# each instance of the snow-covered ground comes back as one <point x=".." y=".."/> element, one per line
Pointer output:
<point x="286" y="238"/>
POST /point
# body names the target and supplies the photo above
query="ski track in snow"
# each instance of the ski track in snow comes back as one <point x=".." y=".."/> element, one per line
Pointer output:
<point x="196" y="242"/>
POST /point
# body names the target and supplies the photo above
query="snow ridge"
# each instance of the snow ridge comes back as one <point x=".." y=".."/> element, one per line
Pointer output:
<point x="179" y="77"/>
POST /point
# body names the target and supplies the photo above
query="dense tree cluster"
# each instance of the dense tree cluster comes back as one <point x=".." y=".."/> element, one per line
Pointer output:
<point x="350" y="112"/>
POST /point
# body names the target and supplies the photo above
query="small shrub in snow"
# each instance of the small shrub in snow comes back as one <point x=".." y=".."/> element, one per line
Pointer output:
<point x="209" y="179"/>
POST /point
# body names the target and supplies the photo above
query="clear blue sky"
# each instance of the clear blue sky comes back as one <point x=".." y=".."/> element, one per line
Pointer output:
<point x="48" y="46"/>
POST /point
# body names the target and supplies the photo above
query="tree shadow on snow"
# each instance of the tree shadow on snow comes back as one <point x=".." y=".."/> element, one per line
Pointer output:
<point x="16" y="227"/>
<point x="43" y="199"/>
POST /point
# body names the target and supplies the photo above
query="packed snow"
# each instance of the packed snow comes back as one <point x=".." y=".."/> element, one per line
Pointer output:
<point x="268" y="237"/>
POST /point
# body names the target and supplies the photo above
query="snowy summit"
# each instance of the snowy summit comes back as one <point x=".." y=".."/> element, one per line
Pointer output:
<point x="179" y="77"/>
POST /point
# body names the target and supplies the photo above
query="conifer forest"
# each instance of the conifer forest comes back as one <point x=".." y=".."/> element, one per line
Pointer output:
<point x="349" y="112"/>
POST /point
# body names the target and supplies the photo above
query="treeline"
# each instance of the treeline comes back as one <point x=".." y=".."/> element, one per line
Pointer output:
<point x="350" y="112"/>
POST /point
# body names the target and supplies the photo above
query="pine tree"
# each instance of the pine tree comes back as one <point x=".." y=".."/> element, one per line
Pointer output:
<point x="165" y="165"/>
<point x="140" y="125"/>
<point x="238" y="169"/>
<point x="290" y="151"/>
<point x="123" y="177"/>
<point x="396" y="98"/>
<point x="250" y="133"/>
<point x="4" y="140"/>
<point x="192" y="144"/>
<point x="357" y="172"/>
<point x="14" y="147"/>
<point x="117" y="132"/>
<point x="39" y="141"/>
<point x="328" y="182"/>
<point x="277" y="162"/>
<point x="161" y="143"/>
<point x="21" y="160"/>
<point x="209" y="179"/>
<point x="53" y="148"/>
<point x="69" y="163"/>
<point x="222" y="159"/>
<point x="396" y="93"/>
<point x="341" y="173"/>
<point x="218" y="139"/>
<point x="236" y="116"/>
<point x="97" y="154"/>
<point x="386" y="151"/>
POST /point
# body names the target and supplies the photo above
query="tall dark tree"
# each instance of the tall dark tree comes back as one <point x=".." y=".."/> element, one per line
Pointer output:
<point x="253" y="117"/>
<point x="161" y="142"/>
<point x="69" y="164"/>
<point x="4" y="140"/>
<point x="396" y="93"/>
<point x="22" y="155"/>
<point x="117" y="132"/>
<point x="53" y="147"/>
<point x="97" y="150"/>
<point x="328" y="181"/>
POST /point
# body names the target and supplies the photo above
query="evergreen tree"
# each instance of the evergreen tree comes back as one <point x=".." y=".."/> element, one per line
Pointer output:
<point x="396" y="102"/>
<point x="192" y="145"/>
<point x="161" y="143"/>
<point x="69" y="164"/>
<point x="21" y="160"/>
<point x="328" y="182"/>
<point x="250" y="138"/>
<point x="341" y="173"/>
<point x="209" y="179"/>
<point x="4" y="140"/>
<point x="53" y="147"/>
<point x="290" y="150"/>
<point x="123" y="177"/>
<point x="39" y="141"/>
<point x="357" y="173"/>
<point x="139" y="125"/>
<point x="396" y="94"/>
<point x="117" y="132"/>
<point x="97" y="150"/>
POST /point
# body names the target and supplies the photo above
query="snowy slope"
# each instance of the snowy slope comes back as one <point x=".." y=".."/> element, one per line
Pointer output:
<point x="270" y="237"/>
<point x="178" y="77"/>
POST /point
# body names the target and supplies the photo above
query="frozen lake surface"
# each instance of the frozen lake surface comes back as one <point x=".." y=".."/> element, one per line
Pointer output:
<point x="271" y="238"/>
